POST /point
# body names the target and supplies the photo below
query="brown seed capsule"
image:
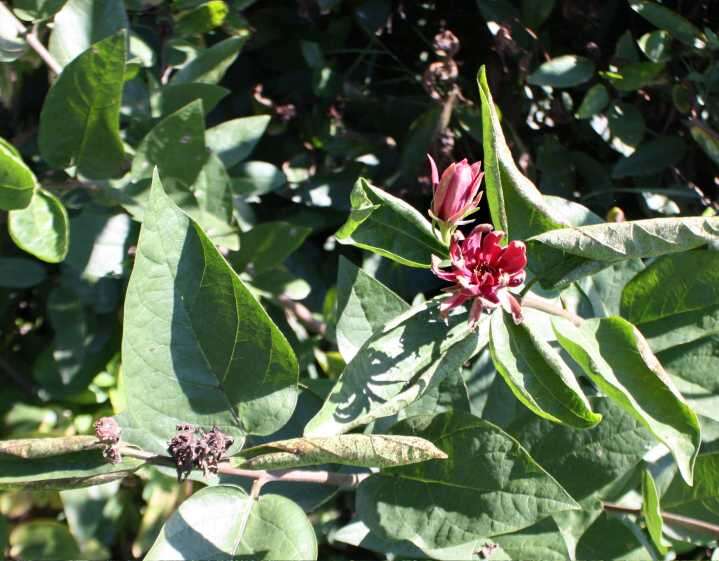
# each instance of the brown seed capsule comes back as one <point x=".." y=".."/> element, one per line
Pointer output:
<point x="107" y="430"/>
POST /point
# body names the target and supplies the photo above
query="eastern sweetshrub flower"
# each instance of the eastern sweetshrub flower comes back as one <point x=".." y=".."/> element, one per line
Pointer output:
<point x="456" y="194"/>
<point x="482" y="271"/>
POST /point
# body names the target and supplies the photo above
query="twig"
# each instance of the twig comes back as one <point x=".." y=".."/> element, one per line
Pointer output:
<point x="303" y="314"/>
<point x="334" y="479"/>
<point x="534" y="301"/>
<point x="32" y="39"/>
<point x="668" y="517"/>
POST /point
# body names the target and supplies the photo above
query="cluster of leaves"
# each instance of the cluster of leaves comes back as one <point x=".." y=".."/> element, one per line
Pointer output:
<point x="194" y="235"/>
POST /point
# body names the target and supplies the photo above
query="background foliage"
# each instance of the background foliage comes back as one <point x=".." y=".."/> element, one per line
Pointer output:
<point x="260" y="117"/>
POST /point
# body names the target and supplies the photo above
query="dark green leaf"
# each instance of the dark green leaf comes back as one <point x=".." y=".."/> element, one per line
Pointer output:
<point x="610" y="539"/>
<point x="267" y="245"/>
<point x="671" y="285"/>
<point x="656" y="46"/>
<point x="197" y="347"/>
<point x="384" y="224"/>
<point x="376" y="450"/>
<point x="700" y="501"/>
<point x="234" y="140"/>
<point x="42" y="228"/>
<point x="585" y="461"/>
<point x="652" y="157"/>
<point x="563" y="72"/>
<point x="537" y="375"/>
<point x="211" y="64"/>
<point x="517" y="207"/>
<point x="595" y="100"/>
<point x="81" y="23"/>
<point x="223" y="522"/>
<point x="489" y="486"/>
<point x="175" y="96"/>
<point x="536" y="12"/>
<point x="666" y="19"/>
<point x="706" y="138"/>
<point x="622" y="127"/>
<point x="694" y="368"/>
<point x="634" y="76"/>
<point x="364" y="306"/>
<point x="616" y="357"/>
<point x="395" y="367"/>
<point x="16" y="272"/>
<point x="84" y="103"/>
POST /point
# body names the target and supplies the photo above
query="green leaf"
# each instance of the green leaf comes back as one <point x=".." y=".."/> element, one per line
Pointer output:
<point x="16" y="272"/>
<point x="706" y="138"/>
<point x="42" y="228"/>
<point x="651" y="511"/>
<point x="268" y="244"/>
<point x="536" y="12"/>
<point x="563" y="72"/>
<point x="610" y="538"/>
<point x="202" y="19"/>
<point x="364" y="306"/>
<point x="636" y="75"/>
<point x="656" y="45"/>
<point x="211" y="64"/>
<point x="630" y="240"/>
<point x="197" y="347"/>
<point x="37" y="10"/>
<point x="94" y="516"/>
<point x="58" y="463"/>
<point x="82" y="23"/>
<point x="84" y="103"/>
<point x="388" y="226"/>
<point x="234" y="140"/>
<point x="489" y="486"/>
<point x="622" y="127"/>
<point x="176" y="96"/>
<point x="395" y="367"/>
<point x="256" y="178"/>
<point x="595" y="100"/>
<point x="537" y="375"/>
<point x="694" y="368"/>
<point x="43" y="540"/>
<point x="376" y="450"/>
<point x="223" y="522"/>
<point x="616" y="357"/>
<point x="681" y="328"/>
<point x="585" y="461"/>
<point x="651" y="158"/>
<point x="664" y="18"/>
<point x="176" y="145"/>
<point x="671" y="285"/>
<point x="700" y="501"/>
<point x="517" y="207"/>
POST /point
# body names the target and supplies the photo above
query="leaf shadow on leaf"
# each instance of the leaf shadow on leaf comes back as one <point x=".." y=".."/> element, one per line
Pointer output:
<point x="378" y="372"/>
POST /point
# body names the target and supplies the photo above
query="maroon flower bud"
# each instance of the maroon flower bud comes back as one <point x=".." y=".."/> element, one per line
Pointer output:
<point x="456" y="193"/>
<point x="107" y="430"/>
<point x="483" y="271"/>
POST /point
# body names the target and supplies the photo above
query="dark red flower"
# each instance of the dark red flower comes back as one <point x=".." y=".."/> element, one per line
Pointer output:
<point x="483" y="271"/>
<point x="457" y="193"/>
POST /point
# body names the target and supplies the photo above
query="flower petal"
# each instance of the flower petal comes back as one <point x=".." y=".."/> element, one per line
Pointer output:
<point x="511" y="305"/>
<point x="513" y="258"/>
<point x="433" y="171"/>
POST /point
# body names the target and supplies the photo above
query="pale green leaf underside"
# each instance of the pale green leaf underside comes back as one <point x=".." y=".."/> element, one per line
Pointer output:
<point x="376" y="450"/>
<point x="223" y="522"/>
<point x="197" y="346"/>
